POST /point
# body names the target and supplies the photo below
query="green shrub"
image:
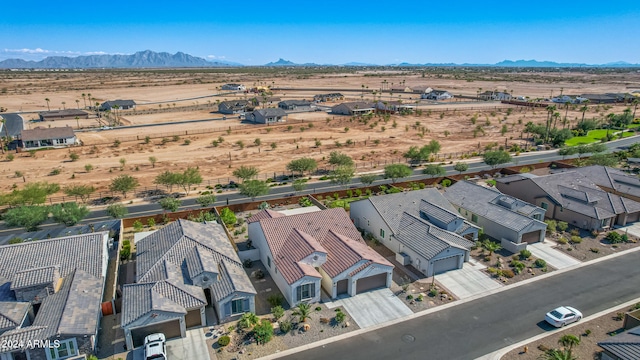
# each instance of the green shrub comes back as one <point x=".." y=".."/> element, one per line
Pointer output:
<point x="340" y="317"/>
<point x="518" y="266"/>
<point x="125" y="252"/>
<point x="248" y="320"/>
<point x="562" y="241"/>
<point x="224" y="341"/>
<point x="285" y="326"/>
<point x="277" y="312"/>
<point x="575" y="232"/>
<point x="433" y="292"/>
<point x="551" y="225"/>
<point x="263" y="331"/>
<point x="409" y="297"/>
<point x="594" y="250"/>
<point x="540" y="263"/>
<point x="420" y="297"/>
<point x="525" y="254"/>
<point x="275" y="300"/>
<point x="614" y="237"/>
<point x="562" y="226"/>
<point x="137" y="226"/>
<point x="151" y="222"/>
<point x="318" y="308"/>
<point x="576" y="239"/>
<point x="445" y="183"/>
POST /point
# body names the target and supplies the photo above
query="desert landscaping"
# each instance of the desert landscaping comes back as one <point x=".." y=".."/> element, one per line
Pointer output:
<point x="461" y="125"/>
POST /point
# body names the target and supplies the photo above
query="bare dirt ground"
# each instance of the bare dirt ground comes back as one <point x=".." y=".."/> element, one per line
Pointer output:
<point x="373" y="142"/>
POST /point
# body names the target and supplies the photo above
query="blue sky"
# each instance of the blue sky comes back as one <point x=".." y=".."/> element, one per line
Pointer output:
<point x="336" y="32"/>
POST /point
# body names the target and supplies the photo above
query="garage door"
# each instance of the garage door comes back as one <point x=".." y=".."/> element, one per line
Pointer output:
<point x="446" y="264"/>
<point x="532" y="237"/>
<point x="343" y="286"/>
<point x="633" y="218"/>
<point x="193" y="318"/>
<point x="371" y="282"/>
<point x="170" y="329"/>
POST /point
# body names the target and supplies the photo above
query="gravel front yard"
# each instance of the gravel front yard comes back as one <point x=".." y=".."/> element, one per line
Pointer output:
<point x="500" y="265"/>
<point x="591" y="247"/>
<point x="322" y="325"/>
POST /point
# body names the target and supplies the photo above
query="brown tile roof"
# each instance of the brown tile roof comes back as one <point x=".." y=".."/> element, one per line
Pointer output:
<point x="41" y="133"/>
<point x="293" y="238"/>
<point x="264" y="214"/>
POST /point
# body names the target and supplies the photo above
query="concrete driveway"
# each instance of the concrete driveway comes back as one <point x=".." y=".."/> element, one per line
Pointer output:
<point x="468" y="281"/>
<point x="194" y="346"/>
<point x="632" y="229"/>
<point x="372" y="307"/>
<point x="553" y="257"/>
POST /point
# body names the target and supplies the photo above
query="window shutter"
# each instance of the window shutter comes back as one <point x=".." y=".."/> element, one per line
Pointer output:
<point x="227" y="309"/>
<point x="313" y="290"/>
<point x="246" y="305"/>
<point x="299" y="293"/>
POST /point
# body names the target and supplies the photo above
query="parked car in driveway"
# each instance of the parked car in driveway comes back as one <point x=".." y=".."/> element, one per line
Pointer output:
<point x="155" y="347"/>
<point x="562" y="316"/>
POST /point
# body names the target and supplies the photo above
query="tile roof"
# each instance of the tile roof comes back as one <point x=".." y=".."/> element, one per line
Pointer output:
<point x="36" y="276"/>
<point x="357" y="105"/>
<point x="294" y="103"/>
<point x="426" y="239"/>
<point x="199" y="261"/>
<point x="12" y="314"/>
<point x="41" y="133"/>
<point x="235" y="280"/>
<point x="293" y="238"/>
<point x="271" y="112"/>
<point x="264" y="214"/>
<point x="611" y="178"/>
<point x="112" y="103"/>
<point x="625" y="345"/>
<point x="492" y="205"/>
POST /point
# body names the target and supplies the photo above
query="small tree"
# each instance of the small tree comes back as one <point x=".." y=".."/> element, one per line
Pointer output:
<point x="248" y="320"/>
<point x="153" y="160"/>
<point x="245" y="172"/>
<point x="342" y="175"/>
<point x="338" y="158"/>
<point x="254" y="188"/>
<point x="123" y="162"/>
<point x="191" y="176"/>
<point x="397" y="171"/>
<point x="434" y="170"/>
<point x="123" y="184"/>
<point x="29" y="216"/>
<point x="273" y="145"/>
<point x="88" y="167"/>
<point x="206" y="200"/>
<point x="170" y="204"/>
<point x="228" y="217"/>
<point x="495" y="158"/>
<point x="117" y="211"/>
<point x="81" y="191"/>
<point x="302" y="165"/>
<point x="263" y="331"/>
<point x="368" y="179"/>
<point x="74" y="156"/>
<point x="491" y="246"/>
<point x="68" y="214"/>
<point x="461" y="167"/>
<point x="299" y="185"/>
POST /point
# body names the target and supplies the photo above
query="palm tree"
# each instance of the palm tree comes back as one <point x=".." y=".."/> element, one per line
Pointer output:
<point x="47" y="100"/>
<point x="569" y="341"/>
<point x="84" y="99"/>
<point x="555" y="354"/>
<point x="491" y="246"/>
<point x="303" y="311"/>
<point x="116" y="107"/>
<point x="635" y="107"/>
<point x="556" y="116"/>
<point x="584" y="109"/>
<point x="78" y="104"/>
<point x="550" y="110"/>
<point x="610" y="117"/>
<point x="566" y="109"/>
<point x="63" y="105"/>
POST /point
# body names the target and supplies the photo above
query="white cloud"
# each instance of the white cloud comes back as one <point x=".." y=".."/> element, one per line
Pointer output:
<point x="27" y="51"/>
<point x="216" y="57"/>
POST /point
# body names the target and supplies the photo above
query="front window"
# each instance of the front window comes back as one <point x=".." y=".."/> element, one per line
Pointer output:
<point x="544" y="205"/>
<point x="474" y="218"/>
<point x="66" y="349"/>
<point x="306" y="291"/>
<point x="382" y="233"/>
<point x="237" y="306"/>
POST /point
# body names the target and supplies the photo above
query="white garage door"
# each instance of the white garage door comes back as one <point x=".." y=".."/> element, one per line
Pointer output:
<point x="446" y="264"/>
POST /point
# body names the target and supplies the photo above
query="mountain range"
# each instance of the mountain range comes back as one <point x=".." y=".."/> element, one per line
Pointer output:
<point x="151" y="59"/>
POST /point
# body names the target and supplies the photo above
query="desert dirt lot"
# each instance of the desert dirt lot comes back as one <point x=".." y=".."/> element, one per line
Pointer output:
<point x="178" y="96"/>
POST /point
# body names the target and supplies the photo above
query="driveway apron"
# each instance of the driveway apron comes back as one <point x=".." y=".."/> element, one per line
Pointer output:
<point x="372" y="307"/>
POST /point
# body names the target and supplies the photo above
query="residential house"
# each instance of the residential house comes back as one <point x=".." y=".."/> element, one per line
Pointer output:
<point x="180" y="270"/>
<point x="353" y="108"/>
<point x="624" y="346"/>
<point x="298" y="105"/>
<point x="41" y="137"/>
<point x="63" y="114"/>
<point x="513" y="222"/>
<point x="52" y="290"/>
<point x="568" y="99"/>
<point x="328" y="97"/>
<point x="233" y="106"/>
<point x="599" y="98"/>
<point x="233" y="87"/>
<point x="611" y="180"/>
<point x="321" y="249"/>
<point x="400" y="89"/>
<point x="421" y="89"/>
<point x="264" y="100"/>
<point x="121" y="104"/>
<point x="267" y="116"/>
<point x="573" y="198"/>
<point x="495" y="95"/>
<point x="394" y="106"/>
<point x="421" y="227"/>
<point x="437" y="95"/>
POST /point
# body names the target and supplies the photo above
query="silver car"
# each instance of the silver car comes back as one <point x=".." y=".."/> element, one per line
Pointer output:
<point x="562" y="316"/>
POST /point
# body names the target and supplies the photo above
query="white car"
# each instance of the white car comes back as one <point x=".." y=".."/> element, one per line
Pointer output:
<point x="155" y="347"/>
<point x="562" y="316"/>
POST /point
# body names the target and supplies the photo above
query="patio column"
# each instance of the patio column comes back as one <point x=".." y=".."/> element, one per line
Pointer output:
<point x="128" y="339"/>
<point x="183" y="327"/>
<point x="389" y="278"/>
<point x="203" y="316"/>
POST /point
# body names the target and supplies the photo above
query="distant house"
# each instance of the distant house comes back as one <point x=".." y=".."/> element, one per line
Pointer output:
<point x="178" y="269"/>
<point x="121" y="104"/>
<point x="328" y="97"/>
<point x="495" y="95"/>
<point x="394" y="106"/>
<point x="421" y="89"/>
<point x="610" y="180"/>
<point x="299" y="105"/>
<point x="264" y="100"/>
<point x="41" y="137"/>
<point x="63" y="114"/>
<point x="353" y="108"/>
<point x="421" y="227"/>
<point x="599" y="98"/>
<point x="437" y="95"/>
<point x="267" y="116"/>
<point x="569" y="99"/>
<point x="307" y="251"/>
<point x="52" y="290"/>
<point x="400" y="89"/>
<point x="233" y="87"/>
<point x="233" y="106"/>
<point x="511" y="221"/>
<point x="573" y="198"/>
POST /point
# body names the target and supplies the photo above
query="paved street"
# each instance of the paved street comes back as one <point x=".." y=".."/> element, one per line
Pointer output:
<point x="475" y="328"/>
<point x="373" y="307"/>
<point x="468" y="281"/>
<point x="553" y="257"/>
<point x="14" y="124"/>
